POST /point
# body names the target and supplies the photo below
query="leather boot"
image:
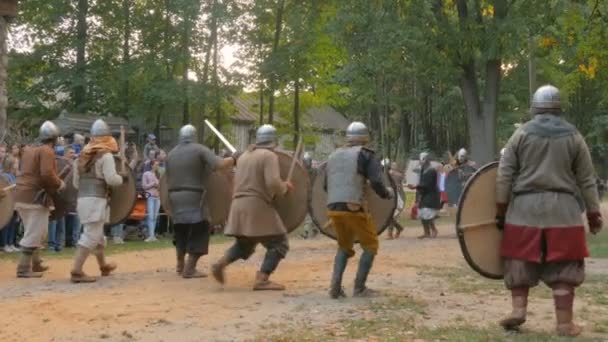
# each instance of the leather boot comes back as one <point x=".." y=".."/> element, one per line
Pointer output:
<point x="77" y="275"/>
<point x="181" y="256"/>
<point x="434" y="232"/>
<point x="563" y="297"/>
<point x="105" y="267"/>
<point x="263" y="284"/>
<point x="427" y="230"/>
<point x="217" y="269"/>
<point x="190" y="268"/>
<point x="37" y="265"/>
<point x="519" y="302"/>
<point x="365" y="265"/>
<point x="390" y="233"/>
<point x="24" y="268"/>
<point x="399" y="229"/>
<point x="336" y="290"/>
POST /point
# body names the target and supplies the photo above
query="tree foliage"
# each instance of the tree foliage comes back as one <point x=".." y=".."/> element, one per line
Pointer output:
<point x="438" y="74"/>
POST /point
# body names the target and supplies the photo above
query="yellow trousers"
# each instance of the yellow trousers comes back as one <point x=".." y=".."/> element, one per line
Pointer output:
<point x="351" y="227"/>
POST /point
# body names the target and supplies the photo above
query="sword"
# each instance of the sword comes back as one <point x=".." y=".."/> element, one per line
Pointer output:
<point x="8" y="188"/>
<point x="294" y="160"/>
<point x="220" y="136"/>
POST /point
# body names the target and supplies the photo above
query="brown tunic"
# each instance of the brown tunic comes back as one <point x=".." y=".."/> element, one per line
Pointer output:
<point x="38" y="172"/>
<point x="257" y="181"/>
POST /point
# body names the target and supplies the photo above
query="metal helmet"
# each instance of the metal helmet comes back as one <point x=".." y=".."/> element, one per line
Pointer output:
<point x="100" y="129"/>
<point x="266" y="135"/>
<point x="546" y="97"/>
<point x="462" y="155"/>
<point x="385" y="162"/>
<point x="48" y="131"/>
<point x="357" y="133"/>
<point x="502" y="152"/>
<point x="78" y="138"/>
<point x="424" y="156"/>
<point x="307" y="159"/>
<point x="187" y="133"/>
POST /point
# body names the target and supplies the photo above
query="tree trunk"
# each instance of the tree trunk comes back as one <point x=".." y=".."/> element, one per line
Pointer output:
<point x="296" y="113"/>
<point x="3" y="77"/>
<point x="81" y="42"/>
<point x="275" y="47"/>
<point x="217" y="100"/>
<point x="126" y="54"/>
<point x="186" y="61"/>
<point x="261" y="103"/>
<point x="208" y="51"/>
<point x="531" y="66"/>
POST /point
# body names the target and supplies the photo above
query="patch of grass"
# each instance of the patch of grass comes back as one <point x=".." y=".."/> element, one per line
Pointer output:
<point x="128" y="246"/>
<point x="594" y="289"/>
<point x="468" y="334"/>
<point x="406" y="222"/>
<point x="601" y="327"/>
<point x="598" y="244"/>
<point x="463" y="280"/>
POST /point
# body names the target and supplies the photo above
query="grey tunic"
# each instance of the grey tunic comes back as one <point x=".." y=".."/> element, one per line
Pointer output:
<point x="188" y="168"/>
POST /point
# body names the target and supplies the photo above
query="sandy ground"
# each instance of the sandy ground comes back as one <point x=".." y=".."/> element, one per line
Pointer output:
<point x="146" y="301"/>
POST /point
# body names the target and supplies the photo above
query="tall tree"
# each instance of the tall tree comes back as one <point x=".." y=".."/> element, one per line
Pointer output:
<point x="80" y="84"/>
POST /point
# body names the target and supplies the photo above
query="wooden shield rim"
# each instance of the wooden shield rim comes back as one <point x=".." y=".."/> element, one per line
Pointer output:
<point x="319" y="226"/>
<point x="10" y="199"/>
<point x="133" y="202"/>
<point x="308" y="184"/>
<point x="460" y="232"/>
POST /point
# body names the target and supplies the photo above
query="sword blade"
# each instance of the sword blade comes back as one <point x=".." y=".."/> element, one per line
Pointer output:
<point x="220" y="136"/>
<point x="294" y="160"/>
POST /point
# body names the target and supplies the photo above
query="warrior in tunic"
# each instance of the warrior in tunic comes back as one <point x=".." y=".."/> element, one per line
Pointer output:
<point x="429" y="198"/>
<point x="188" y="168"/>
<point x="397" y="177"/>
<point x="349" y="168"/>
<point x="94" y="174"/>
<point x="545" y="165"/>
<point x="253" y="219"/>
<point x="37" y="176"/>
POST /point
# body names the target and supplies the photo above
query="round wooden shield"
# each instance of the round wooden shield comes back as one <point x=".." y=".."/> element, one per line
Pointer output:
<point x="7" y="203"/>
<point x="218" y="197"/>
<point x="476" y="225"/>
<point x="292" y="207"/>
<point x="122" y="197"/>
<point x="64" y="201"/>
<point x="382" y="210"/>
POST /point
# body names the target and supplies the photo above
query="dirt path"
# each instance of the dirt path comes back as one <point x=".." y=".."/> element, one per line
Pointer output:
<point x="146" y="301"/>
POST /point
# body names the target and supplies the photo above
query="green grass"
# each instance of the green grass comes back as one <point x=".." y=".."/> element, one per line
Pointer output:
<point x="396" y="319"/>
<point x="128" y="246"/>
<point x="441" y="221"/>
<point x="598" y="244"/>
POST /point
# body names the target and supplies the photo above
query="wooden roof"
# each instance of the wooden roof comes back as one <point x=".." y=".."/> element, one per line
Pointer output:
<point x="323" y="117"/>
<point x="70" y="123"/>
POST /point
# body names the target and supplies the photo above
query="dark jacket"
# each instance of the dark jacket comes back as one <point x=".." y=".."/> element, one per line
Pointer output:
<point x="428" y="191"/>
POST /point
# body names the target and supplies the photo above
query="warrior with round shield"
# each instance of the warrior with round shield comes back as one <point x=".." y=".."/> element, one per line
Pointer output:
<point x="397" y="177"/>
<point x="37" y="182"/>
<point x="253" y="219"/>
<point x="188" y="167"/>
<point x="429" y="198"/>
<point x="349" y="168"/>
<point x="546" y="163"/>
<point x="94" y="173"/>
